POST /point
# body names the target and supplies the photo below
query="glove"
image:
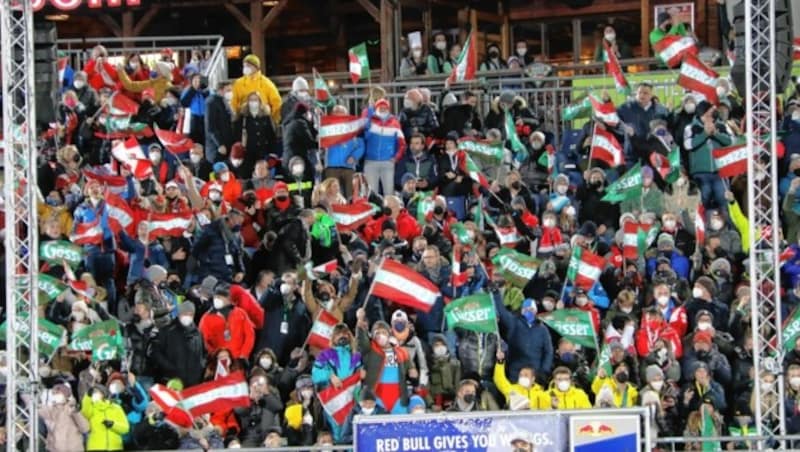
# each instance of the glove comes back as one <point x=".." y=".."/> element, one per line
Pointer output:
<point x="108" y="424"/>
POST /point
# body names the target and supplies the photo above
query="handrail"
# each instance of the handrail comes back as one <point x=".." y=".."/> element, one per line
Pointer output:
<point x="141" y="39"/>
<point x="217" y="69"/>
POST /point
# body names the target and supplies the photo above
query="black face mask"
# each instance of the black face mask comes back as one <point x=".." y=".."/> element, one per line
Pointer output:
<point x="702" y="354"/>
<point x="174" y="286"/>
<point x="343" y="341"/>
<point x="469" y="398"/>
<point x="324" y="297"/>
<point x="622" y="377"/>
<point x="438" y="210"/>
<point x="494" y="54"/>
<point x="387" y="211"/>
<point x="516" y="185"/>
<point x="281" y="197"/>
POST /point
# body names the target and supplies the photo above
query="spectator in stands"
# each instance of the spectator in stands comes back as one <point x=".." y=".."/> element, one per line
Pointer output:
<point x="218" y="124"/>
<point x="253" y="128"/>
<point x="386" y="367"/>
<point x="414" y="64"/>
<point x="341" y="160"/>
<point x="160" y="84"/>
<point x="300" y="144"/>
<point x="418" y="164"/>
<point x="253" y="81"/>
<point x="194" y="98"/>
<point x="385" y="144"/>
<point x="521" y="52"/>
<point x="417" y="117"/>
<point x="87" y="96"/>
<point x="620" y="48"/>
<point x="180" y="352"/>
<point x="438" y="59"/>
<point x="218" y="249"/>
<point x="455" y="182"/>
<point x="299" y="93"/>
<point x="493" y="62"/>
<point x="564" y="395"/>
<point x="701" y="137"/>
<point x="666" y="25"/>
<point x="227" y="327"/>
<point x="452" y="58"/>
<point x="100" y="72"/>
<point x="637" y="114"/>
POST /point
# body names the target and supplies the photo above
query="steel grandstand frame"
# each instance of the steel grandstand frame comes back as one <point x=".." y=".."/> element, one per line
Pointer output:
<point x="21" y="242"/>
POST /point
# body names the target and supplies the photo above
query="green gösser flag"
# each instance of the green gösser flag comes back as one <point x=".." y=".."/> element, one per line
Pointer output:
<point x="517" y="268"/>
<point x="49" y="288"/>
<point x="51" y="336"/>
<point x="629" y="186"/>
<point x="57" y="251"/>
<point x="791" y="330"/>
<point x="484" y="151"/>
<point x="473" y="313"/>
<point x="573" y="324"/>
<point x="103" y="339"/>
<point x="460" y="233"/>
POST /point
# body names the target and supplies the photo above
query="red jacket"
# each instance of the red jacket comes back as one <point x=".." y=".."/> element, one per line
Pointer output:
<point x="616" y="257"/>
<point x="242" y="298"/>
<point x="101" y="77"/>
<point x="649" y="334"/>
<point x="679" y="321"/>
<point x="550" y="239"/>
<point x="240" y="337"/>
<point x="407" y="227"/>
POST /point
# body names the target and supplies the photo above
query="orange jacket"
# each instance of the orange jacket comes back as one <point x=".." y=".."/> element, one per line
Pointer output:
<point x="240" y="336"/>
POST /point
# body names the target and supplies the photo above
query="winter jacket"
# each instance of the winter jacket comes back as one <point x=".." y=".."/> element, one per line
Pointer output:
<point x="573" y="399"/>
<point x="101" y="77"/>
<point x="680" y="264"/>
<point x="257" y="135"/>
<point x="229" y="328"/>
<point x="277" y="311"/>
<point x="422" y="166"/>
<point x="299" y="140"/>
<point x="212" y="245"/>
<point x="701" y="146"/>
<point x="627" y="398"/>
<point x="137" y="251"/>
<point x="258" y="418"/>
<point x="384" y="139"/>
<point x="714" y="392"/>
<point x="159" y="85"/>
<point x="293" y="246"/>
<point x="133" y="401"/>
<point x="219" y="124"/>
<point x="180" y="353"/>
<point x="261" y="85"/>
<point x="445" y="376"/>
<point x="476" y="352"/>
<point x="528" y="345"/>
<point x="717" y="363"/>
<point x="539" y="400"/>
<point x="742" y="224"/>
<point x="719" y="310"/>
<point x="632" y="114"/>
<point x="154" y="435"/>
<point x="140" y="348"/>
<point x="86" y="213"/>
<point x="194" y="100"/>
<point x="242" y="298"/>
<point x="65" y="428"/>
<point x="593" y="208"/>
<point x="343" y="363"/>
<point x="457" y="165"/>
<point x="421" y="120"/>
<point x="373" y="359"/>
<point x="407" y="227"/>
<point x="433" y="320"/>
<point x="102" y="437"/>
<point x="645" y="338"/>
<point x="337" y="155"/>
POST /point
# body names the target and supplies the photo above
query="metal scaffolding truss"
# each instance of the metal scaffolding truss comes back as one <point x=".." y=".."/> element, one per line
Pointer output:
<point x="21" y="248"/>
<point x="763" y="205"/>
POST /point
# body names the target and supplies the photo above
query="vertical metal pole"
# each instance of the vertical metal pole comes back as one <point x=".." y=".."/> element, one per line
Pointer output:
<point x="19" y="128"/>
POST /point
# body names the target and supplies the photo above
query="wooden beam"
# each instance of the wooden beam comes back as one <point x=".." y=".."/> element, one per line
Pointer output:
<point x="418" y="4"/>
<point x="145" y="20"/>
<point x="555" y="12"/>
<point x="127" y="24"/>
<point x="257" y="46"/>
<point x="489" y="17"/>
<point x="273" y="14"/>
<point x="645" y="37"/>
<point x="427" y="29"/>
<point x="112" y="24"/>
<point x="241" y="18"/>
<point x="386" y="21"/>
<point x="371" y="9"/>
<point x="506" y="45"/>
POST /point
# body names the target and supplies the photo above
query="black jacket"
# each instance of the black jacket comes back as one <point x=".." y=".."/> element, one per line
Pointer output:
<point x="276" y="311"/>
<point x="259" y="141"/>
<point x="140" y="346"/>
<point x="256" y="420"/>
<point x="421" y="120"/>
<point x="460" y="118"/>
<point x="291" y="246"/>
<point x="180" y="353"/>
<point x="299" y="140"/>
<point x="219" y="127"/>
<point x="211" y="247"/>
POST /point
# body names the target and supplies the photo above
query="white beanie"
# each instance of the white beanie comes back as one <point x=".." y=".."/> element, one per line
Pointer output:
<point x="299" y="84"/>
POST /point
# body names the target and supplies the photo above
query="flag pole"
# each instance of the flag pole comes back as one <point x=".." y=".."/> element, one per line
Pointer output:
<point x="591" y="148"/>
<point x="319" y="314"/>
<point x="372" y="284"/>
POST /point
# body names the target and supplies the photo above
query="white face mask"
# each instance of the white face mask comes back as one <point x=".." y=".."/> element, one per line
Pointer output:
<point x="382" y="115"/>
<point x="721" y="91"/>
<point x="382" y="339"/>
<point x="286" y="289"/>
<point x="680" y="182"/>
<point x="134" y="65"/>
<point x="115" y="388"/>
<point x="228" y="95"/>
<point x="225" y="177"/>
<point x="196" y="158"/>
<point x="549" y="223"/>
<point x="795" y="113"/>
<point x="697" y="292"/>
<point x="367" y="411"/>
<point x="703" y="326"/>
<point x="570" y="211"/>
<point x="626" y="310"/>
<point x="306" y="393"/>
<point x="79" y="316"/>
<point x="97" y="397"/>
<point x="247" y="70"/>
<point x="298" y="170"/>
<point x="670" y="224"/>
<point x="219" y="303"/>
<point x="794" y="382"/>
<point x="716" y="224"/>
<point x="563" y="385"/>
<point x="236" y="162"/>
<point x="440" y="350"/>
<point x="581" y="301"/>
<point x="689" y="107"/>
<point x="59" y="399"/>
<point x="525" y="382"/>
<point x="186" y="320"/>
<point x="662" y="300"/>
<point x="767" y="385"/>
<point x="253" y="106"/>
<point x="78" y="84"/>
<point x="440" y="45"/>
<point x="265" y="362"/>
<point x="155" y="157"/>
<point x="657" y="384"/>
<point x="214" y="196"/>
<point x="522" y="51"/>
<point x="610" y="37"/>
<point x="548" y="305"/>
<point x="408" y="104"/>
<point x="416" y="53"/>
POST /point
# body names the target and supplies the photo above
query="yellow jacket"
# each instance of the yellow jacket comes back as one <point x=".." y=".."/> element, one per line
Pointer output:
<point x="742" y="224"/>
<point x="100" y="437"/>
<point x="159" y="85"/>
<point x="60" y="214"/>
<point x="573" y="399"/>
<point x="260" y="84"/>
<point x="535" y="394"/>
<point x="630" y="394"/>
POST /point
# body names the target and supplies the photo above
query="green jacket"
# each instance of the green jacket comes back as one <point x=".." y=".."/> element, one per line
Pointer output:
<point x="701" y="144"/>
<point x="445" y="375"/>
<point x="651" y="201"/>
<point x="101" y="437"/>
<point x="658" y="34"/>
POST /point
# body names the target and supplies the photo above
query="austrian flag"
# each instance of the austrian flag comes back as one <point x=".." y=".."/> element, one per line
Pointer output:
<point x="322" y="330"/>
<point x="349" y="217"/>
<point x="605" y="111"/>
<point x="400" y="284"/>
<point x="168" y="224"/>
<point x="339" y="402"/>
<point x="87" y="234"/>
<point x="697" y="77"/>
<point x="671" y="49"/>
<point x="585" y="268"/>
<point x="467" y="62"/>
<point x="630" y="248"/>
<point x="731" y="161"/>
<point x="336" y="129"/>
<point x="606" y="148"/>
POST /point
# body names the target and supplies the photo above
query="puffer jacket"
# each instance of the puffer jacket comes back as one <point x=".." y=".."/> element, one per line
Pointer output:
<point x="624" y="399"/>
<point x="336" y="156"/>
<point x="421" y="120"/>
<point x="256" y="420"/>
<point x="573" y="399"/>
<point x="101" y="437"/>
<point x="433" y="320"/>
<point x="384" y="139"/>
<point x="342" y="362"/>
<point x="445" y="376"/>
<point x="701" y="145"/>
<point x="527" y="344"/>
<point x="210" y="250"/>
<point x="65" y="428"/>
<point x="476" y="352"/>
<point x="261" y="85"/>
<point x="423" y="167"/>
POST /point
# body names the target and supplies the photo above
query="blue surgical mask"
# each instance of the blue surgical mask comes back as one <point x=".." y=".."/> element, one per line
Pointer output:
<point x="568" y="357"/>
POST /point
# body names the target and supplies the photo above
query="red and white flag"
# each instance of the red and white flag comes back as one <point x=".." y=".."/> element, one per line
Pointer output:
<point x="120" y="214"/>
<point x="400" y="284"/>
<point x="671" y="49"/>
<point x="223" y="368"/>
<point x="460" y="276"/>
<point x="336" y="129"/>
<point x="615" y="69"/>
<point x="339" y="403"/>
<point x="222" y="394"/>
<point x="350" y="217"/>
<point x="467" y="62"/>
<point x="168" y="224"/>
<point x="121" y="105"/>
<point x="787" y="255"/>
<point x="87" y="233"/>
<point x="327" y="267"/>
<point x="168" y="401"/>
<point x="129" y="153"/>
<point x="700" y="226"/>
<point x="113" y="183"/>
<point x="606" y="148"/>
<point x="699" y="78"/>
<point x="585" y="268"/>
<point x="796" y="53"/>
<point x="174" y="142"/>
<point x="507" y="235"/>
<point x="630" y="247"/>
<point x="605" y="111"/>
<point x="322" y="330"/>
<point x="731" y="161"/>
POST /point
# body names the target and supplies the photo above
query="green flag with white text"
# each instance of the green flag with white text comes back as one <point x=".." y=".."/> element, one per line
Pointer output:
<point x="629" y="186"/>
<point x="460" y="233"/>
<point x="49" y="288"/>
<point x="573" y="324"/>
<point x="51" y="336"/>
<point x="473" y="313"/>
<point x="517" y="268"/>
<point x="55" y="252"/>
<point x="103" y="339"/>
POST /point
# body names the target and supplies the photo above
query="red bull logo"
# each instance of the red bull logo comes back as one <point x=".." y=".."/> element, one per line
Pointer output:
<point x="595" y="429"/>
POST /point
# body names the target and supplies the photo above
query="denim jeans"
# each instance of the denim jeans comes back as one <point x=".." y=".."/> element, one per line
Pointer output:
<point x="712" y="190"/>
<point x="101" y="265"/>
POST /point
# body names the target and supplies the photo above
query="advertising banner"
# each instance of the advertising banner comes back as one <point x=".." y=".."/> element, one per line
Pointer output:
<point x="620" y="433"/>
<point x="472" y="432"/>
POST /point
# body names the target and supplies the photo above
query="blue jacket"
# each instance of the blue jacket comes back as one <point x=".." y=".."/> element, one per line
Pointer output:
<point x="384" y="139"/>
<point x="337" y="155"/>
<point x="528" y="345"/>
<point x="433" y="321"/>
<point x="791" y="268"/>
<point x="680" y="264"/>
<point x="134" y="401"/>
<point x="194" y="100"/>
<point x="86" y="213"/>
<point x="210" y="250"/>
<point x="137" y="250"/>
